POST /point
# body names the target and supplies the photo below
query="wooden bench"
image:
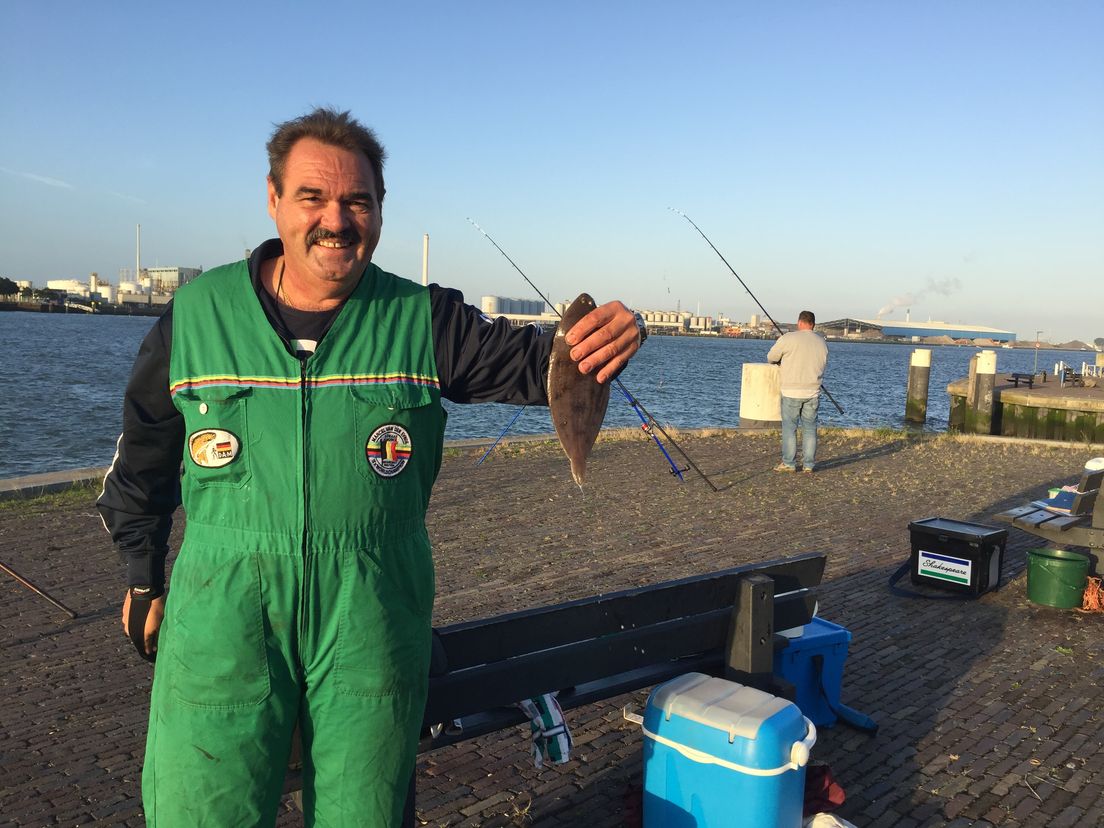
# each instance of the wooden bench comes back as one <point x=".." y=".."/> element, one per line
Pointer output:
<point x="723" y="624"/>
<point x="1082" y="526"/>
<point x="1071" y="377"/>
<point x="1017" y="378"/>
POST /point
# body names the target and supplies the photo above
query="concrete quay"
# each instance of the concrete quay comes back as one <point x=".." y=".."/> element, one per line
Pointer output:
<point x="989" y="710"/>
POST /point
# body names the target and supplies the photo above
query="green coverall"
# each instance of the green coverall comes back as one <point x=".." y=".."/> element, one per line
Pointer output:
<point x="304" y="586"/>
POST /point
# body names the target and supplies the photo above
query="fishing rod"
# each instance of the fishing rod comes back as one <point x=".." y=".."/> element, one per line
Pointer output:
<point x="646" y="419"/>
<point x="752" y="295"/>
<point x="479" y="462"/>
<point x="37" y="590"/>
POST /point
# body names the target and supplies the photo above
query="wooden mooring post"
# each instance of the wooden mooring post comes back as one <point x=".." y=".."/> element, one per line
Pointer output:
<point x="916" y="396"/>
<point x="979" y="409"/>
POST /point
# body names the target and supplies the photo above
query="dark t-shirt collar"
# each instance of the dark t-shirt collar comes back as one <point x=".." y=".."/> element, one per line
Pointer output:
<point x="301" y="330"/>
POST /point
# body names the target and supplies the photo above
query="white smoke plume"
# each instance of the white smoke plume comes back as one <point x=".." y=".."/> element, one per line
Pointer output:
<point x="944" y="287"/>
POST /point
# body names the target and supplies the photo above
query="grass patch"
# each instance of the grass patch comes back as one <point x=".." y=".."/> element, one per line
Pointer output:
<point x="82" y="493"/>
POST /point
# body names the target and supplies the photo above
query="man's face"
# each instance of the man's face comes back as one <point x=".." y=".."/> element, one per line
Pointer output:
<point x="328" y="216"/>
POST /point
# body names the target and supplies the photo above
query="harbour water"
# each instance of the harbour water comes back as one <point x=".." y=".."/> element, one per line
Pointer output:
<point x="63" y="375"/>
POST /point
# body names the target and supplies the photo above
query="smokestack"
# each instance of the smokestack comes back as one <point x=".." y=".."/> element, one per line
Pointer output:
<point x="138" y="254"/>
<point x="908" y="314"/>
<point x="425" y="259"/>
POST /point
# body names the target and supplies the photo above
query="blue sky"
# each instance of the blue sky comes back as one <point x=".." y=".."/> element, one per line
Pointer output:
<point x="848" y="157"/>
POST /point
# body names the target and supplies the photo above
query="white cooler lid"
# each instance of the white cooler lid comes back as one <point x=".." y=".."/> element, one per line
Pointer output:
<point x="718" y="703"/>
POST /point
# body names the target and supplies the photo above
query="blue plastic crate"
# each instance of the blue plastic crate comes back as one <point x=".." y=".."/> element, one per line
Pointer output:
<point x="828" y="642"/>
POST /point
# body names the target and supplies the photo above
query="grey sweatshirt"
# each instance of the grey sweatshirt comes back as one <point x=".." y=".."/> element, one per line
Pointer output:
<point x="803" y="355"/>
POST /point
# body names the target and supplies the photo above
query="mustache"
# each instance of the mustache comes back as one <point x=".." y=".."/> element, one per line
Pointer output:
<point x="349" y="236"/>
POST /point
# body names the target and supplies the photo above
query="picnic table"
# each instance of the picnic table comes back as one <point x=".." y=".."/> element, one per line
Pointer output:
<point x="1081" y="525"/>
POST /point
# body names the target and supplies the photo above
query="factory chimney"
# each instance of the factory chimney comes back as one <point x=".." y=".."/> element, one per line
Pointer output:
<point x="425" y="259"/>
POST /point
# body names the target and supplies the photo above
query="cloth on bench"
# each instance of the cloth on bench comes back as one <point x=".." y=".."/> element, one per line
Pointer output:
<point x="551" y="737"/>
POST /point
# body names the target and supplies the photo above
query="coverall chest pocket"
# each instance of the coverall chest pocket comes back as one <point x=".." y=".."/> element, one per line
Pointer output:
<point x="216" y="448"/>
<point x="394" y="426"/>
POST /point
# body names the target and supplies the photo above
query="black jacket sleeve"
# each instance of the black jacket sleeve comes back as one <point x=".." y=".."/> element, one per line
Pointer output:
<point x="142" y="487"/>
<point x="483" y="361"/>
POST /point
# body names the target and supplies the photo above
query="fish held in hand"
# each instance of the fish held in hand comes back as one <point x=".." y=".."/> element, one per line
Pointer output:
<point x="576" y="400"/>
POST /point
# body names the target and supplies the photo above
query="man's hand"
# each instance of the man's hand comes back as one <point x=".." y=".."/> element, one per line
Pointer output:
<point x="604" y="340"/>
<point x="153" y="621"/>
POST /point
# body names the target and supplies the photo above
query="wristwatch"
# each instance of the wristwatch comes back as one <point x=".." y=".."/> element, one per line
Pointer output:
<point x="641" y="326"/>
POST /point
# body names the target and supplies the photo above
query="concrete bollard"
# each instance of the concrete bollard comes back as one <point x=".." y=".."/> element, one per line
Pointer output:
<point x="916" y="396"/>
<point x="979" y="415"/>
<point x="971" y="383"/>
<point x="760" y="396"/>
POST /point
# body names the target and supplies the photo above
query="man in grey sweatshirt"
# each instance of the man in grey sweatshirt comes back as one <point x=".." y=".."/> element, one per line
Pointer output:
<point x="803" y="356"/>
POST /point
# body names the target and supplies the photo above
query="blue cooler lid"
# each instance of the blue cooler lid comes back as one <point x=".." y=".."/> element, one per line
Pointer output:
<point x="728" y="722"/>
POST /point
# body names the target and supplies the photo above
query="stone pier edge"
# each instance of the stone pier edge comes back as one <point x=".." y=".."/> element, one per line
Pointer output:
<point x="33" y="485"/>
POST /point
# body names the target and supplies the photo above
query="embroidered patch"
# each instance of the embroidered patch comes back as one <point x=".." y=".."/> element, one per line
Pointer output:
<point x="388" y="450"/>
<point x="213" y="448"/>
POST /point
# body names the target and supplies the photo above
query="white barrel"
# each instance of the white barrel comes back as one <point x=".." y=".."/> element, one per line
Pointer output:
<point x="760" y="396"/>
<point x="987" y="362"/>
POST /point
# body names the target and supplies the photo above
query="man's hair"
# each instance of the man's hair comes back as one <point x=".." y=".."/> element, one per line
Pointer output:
<point x="807" y="317"/>
<point x="338" y="129"/>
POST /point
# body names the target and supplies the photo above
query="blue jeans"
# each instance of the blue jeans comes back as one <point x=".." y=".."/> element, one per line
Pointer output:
<point x="806" y="410"/>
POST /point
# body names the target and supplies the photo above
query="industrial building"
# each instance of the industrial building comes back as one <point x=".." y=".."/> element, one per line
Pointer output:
<point x="92" y="289"/>
<point x="908" y="331"/>
<point x="168" y="279"/>
<point x="520" y="312"/>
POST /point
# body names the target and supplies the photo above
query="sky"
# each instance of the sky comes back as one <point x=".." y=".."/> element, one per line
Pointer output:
<point x="944" y="159"/>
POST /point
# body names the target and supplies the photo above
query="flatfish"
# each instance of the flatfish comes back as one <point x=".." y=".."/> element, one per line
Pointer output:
<point x="577" y="401"/>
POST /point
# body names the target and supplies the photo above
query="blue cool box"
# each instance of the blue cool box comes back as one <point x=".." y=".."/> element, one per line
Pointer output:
<point x="796" y="664"/>
<point x="718" y="754"/>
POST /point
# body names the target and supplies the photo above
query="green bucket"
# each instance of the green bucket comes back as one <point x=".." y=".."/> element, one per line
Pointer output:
<point x="1056" y="577"/>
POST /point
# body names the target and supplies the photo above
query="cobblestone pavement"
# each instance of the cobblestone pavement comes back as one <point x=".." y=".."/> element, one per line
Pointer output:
<point x="989" y="710"/>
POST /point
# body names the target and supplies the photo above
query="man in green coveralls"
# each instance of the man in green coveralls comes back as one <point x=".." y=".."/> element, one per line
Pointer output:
<point x="302" y="390"/>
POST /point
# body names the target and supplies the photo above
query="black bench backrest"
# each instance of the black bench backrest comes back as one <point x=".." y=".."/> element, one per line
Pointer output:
<point x="498" y="661"/>
<point x="1088" y="488"/>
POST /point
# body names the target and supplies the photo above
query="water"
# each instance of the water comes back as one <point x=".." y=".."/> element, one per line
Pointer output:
<point x="63" y="377"/>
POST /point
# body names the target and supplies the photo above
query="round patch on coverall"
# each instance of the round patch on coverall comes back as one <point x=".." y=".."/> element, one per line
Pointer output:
<point x="213" y="448"/>
<point x="388" y="450"/>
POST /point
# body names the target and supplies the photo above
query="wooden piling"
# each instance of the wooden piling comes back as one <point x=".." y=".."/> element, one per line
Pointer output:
<point x="916" y="395"/>
<point x="979" y="413"/>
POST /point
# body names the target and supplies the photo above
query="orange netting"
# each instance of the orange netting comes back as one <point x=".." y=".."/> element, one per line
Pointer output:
<point x="1094" y="596"/>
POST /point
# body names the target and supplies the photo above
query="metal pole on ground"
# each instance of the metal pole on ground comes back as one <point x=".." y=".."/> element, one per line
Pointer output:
<point x="916" y="396"/>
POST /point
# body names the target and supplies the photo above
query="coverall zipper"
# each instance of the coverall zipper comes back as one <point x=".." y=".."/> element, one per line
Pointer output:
<point x="306" y="510"/>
